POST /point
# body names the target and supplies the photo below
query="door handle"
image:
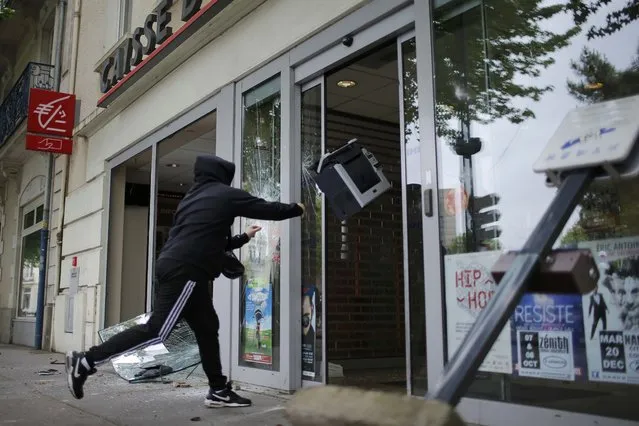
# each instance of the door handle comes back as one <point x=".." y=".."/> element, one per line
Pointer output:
<point x="428" y="202"/>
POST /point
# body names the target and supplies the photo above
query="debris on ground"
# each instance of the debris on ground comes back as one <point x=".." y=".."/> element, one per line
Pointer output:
<point x="196" y="419"/>
<point x="181" y="385"/>
<point x="49" y="372"/>
<point x="55" y="361"/>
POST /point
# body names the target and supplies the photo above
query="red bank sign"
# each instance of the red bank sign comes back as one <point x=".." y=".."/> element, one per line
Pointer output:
<point x="50" y="121"/>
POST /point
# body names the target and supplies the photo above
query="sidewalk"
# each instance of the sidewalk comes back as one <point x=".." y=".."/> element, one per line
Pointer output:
<point x="27" y="398"/>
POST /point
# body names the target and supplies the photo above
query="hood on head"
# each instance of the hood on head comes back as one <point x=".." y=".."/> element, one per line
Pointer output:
<point x="211" y="168"/>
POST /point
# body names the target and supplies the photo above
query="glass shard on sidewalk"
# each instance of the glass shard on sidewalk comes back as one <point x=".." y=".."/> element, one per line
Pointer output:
<point x="178" y="352"/>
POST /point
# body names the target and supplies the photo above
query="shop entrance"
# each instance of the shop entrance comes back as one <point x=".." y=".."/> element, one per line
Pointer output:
<point x="367" y="315"/>
<point x="145" y="192"/>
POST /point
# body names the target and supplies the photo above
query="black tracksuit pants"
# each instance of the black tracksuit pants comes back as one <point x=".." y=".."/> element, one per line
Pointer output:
<point x="176" y="296"/>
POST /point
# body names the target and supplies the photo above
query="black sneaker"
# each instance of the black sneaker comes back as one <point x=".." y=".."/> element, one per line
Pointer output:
<point x="225" y="398"/>
<point x="78" y="369"/>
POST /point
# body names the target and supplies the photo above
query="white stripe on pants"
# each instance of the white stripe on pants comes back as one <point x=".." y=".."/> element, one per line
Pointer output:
<point x="168" y="325"/>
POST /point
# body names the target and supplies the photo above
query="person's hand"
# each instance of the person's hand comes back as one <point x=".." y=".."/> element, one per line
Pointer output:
<point x="252" y="230"/>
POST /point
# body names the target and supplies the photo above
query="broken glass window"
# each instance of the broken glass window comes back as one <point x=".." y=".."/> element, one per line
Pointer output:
<point x="178" y="352"/>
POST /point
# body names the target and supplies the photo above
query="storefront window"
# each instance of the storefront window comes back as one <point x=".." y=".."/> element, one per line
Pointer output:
<point x="312" y="237"/>
<point x="260" y="301"/>
<point x="507" y="74"/>
<point x="414" y="238"/>
<point x="29" y="262"/>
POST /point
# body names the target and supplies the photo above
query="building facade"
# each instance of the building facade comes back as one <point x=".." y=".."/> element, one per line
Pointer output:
<point x="456" y="98"/>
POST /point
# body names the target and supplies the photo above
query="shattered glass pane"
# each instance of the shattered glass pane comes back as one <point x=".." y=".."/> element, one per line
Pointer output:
<point x="178" y="352"/>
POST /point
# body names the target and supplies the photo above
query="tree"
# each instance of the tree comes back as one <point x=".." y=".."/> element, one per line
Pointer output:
<point x="615" y="20"/>
<point x="479" y="56"/>
<point x="599" y="80"/>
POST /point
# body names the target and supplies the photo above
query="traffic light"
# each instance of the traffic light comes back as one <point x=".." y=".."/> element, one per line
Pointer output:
<point x="485" y="216"/>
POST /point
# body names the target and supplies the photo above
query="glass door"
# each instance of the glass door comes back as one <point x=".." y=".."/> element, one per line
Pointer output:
<point x="312" y="244"/>
<point x="375" y="100"/>
<point x="414" y="285"/>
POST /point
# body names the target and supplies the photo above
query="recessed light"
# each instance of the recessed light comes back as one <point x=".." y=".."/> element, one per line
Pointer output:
<point x="346" y="84"/>
<point x="172" y="165"/>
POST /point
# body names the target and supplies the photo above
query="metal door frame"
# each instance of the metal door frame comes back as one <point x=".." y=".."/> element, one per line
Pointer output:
<point x="407" y="296"/>
<point x="299" y="90"/>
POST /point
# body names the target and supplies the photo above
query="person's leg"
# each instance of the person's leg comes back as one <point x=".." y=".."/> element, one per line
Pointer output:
<point x="171" y="295"/>
<point x="595" y="321"/>
<point x="202" y="318"/>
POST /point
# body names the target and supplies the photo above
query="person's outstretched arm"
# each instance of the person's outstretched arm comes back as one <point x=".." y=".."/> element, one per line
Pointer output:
<point x="246" y="205"/>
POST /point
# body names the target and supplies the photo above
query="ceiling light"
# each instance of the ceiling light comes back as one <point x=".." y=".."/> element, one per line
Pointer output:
<point x="172" y="165"/>
<point x="593" y="86"/>
<point x="346" y="84"/>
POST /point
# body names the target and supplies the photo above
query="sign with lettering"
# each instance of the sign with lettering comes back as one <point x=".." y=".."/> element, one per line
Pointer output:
<point x="611" y="312"/>
<point x="549" y="336"/>
<point x="151" y="42"/>
<point x="469" y="289"/>
<point x="603" y="132"/>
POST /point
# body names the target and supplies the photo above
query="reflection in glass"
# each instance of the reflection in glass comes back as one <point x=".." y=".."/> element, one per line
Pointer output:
<point x="414" y="238"/>
<point x="28" y="219"/>
<point x="312" y="237"/>
<point x="39" y="213"/>
<point x="508" y="72"/>
<point x="260" y="306"/>
<point x="30" y="267"/>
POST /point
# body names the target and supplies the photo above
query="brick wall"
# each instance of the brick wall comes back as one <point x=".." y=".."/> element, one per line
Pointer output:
<point x="365" y="291"/>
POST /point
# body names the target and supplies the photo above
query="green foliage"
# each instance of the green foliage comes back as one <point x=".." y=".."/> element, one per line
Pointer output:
<point x="5" y="11"/>
<point x="599" y="80"/>
<point x="615" y="20"/>
<point x="31" y="249"/>
<point x="490" y="60"/>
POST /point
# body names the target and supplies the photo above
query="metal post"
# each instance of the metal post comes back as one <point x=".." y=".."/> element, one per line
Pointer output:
<point x="44" y="233"/>
<point x="461" y="369"/>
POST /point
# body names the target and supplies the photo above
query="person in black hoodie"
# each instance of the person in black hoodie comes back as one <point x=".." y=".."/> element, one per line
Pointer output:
<point x="191" y="257"/>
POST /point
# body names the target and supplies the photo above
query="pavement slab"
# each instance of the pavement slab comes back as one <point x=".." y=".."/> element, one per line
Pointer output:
<point x="33" y="391"/>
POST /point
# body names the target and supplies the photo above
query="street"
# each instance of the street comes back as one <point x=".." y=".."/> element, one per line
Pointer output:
<point x="33" y="391"/>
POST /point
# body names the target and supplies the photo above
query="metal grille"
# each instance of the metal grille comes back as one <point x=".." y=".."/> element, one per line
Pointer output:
<point x="14" y="107"/>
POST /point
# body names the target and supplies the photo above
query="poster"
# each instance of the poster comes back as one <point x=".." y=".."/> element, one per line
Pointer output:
<point x="308" y="332"/>
<point x="469" y="288"/>
<point x="258" y="322"/>
<point x="548" y="337"/>
<point x="611" y="312"/>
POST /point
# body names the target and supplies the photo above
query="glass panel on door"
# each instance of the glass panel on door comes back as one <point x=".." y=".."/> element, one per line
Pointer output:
<point x="414" y="244"/>
<point x="367" y="272"/>
<point x="506" y="74"/>
<point x="312" y="237"/>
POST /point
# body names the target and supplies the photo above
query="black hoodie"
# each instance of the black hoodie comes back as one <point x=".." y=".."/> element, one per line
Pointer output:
<point x="202" y="223"/>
